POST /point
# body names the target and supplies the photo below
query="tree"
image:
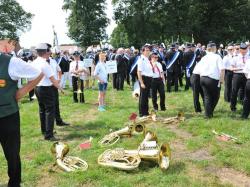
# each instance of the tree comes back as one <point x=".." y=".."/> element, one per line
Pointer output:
<point x="161" y="20"/>
<point x="14" y="19"/>
<point x="87" y="21"/>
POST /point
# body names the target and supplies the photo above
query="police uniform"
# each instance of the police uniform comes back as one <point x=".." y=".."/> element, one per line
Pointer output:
<point x="246" y="102"/>
<point x="158" y="86"/>
<point x="12" y="69"/>
<point x="239" y="79"/>
<point x="74" y="66"/>
<point x="145" y="67"/>
<point x="211" y="67"/>
<point x="227" y="61"/>
<point x="196" y="87"/>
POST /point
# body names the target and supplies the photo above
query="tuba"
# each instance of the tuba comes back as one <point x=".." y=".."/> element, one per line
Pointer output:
<point x="67" y="163"/>
<point x="120" y="159"/>
<point x="129" y="130"/>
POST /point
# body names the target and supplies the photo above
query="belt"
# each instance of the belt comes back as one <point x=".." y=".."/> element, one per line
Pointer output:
<point x="45" y="86"/>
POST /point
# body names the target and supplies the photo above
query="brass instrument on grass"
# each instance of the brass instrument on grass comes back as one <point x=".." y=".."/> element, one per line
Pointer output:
<point x="129" y="130"/>
<point x="67" y="163"/>
<point x="79" y="91"/>
<point x="120" y="159"/>
<point x="172" y="120"/>
<point x="130" y="159"/>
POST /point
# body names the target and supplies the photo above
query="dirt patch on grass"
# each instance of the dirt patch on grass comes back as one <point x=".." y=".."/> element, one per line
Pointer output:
<point x="230" y="176"/>
<point x="179" y="132"/>
<point x="46" y="180"/>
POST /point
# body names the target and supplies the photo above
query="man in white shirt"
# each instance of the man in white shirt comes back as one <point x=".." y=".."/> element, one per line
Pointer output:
<point x="76" y="69"/>
<point x="212" y="75"/>
<point x="45" y="91"/>
<point x="102" y="76"/>
<point x="228" y="61"/>
<point x="145" y="74"/>
<point x="239" y="79"/>
<point x="12" y="69"/>
<point x="246" y="102"/>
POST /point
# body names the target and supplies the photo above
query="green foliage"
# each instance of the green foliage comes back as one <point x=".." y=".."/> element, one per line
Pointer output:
<point x="87" y="20"/>
<point x="160" y="20"/>
<point x="14" y="19"/>
<point x="119" y="37"/>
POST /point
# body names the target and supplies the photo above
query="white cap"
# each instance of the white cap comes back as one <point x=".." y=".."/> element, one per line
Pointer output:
<point x="42" y="46"/>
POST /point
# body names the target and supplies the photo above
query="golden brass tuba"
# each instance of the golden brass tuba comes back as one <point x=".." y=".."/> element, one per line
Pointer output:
<point x="172" y="120"/>
<point x="129" y="130"/>
<point x="67" y="163"/>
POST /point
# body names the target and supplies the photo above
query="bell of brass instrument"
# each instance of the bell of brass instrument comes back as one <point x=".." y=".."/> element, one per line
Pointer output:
<point x="79" y="91"/>
<point x="129" y="130"/>
<point x="67" y="163"/>
<point x="120" y="159"/>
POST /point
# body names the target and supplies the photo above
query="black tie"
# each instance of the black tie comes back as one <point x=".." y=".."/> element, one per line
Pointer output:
<point x="48" y="61"/>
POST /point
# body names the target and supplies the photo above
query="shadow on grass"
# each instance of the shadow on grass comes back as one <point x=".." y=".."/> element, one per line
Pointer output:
<point x="176" y="168"/>
<point x="3" y="185"/>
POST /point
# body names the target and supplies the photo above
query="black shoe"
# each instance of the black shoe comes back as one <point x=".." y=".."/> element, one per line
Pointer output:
<point x="52" y="138"/>
<point x="62" y="123"/>
<point x="163" y="109"/>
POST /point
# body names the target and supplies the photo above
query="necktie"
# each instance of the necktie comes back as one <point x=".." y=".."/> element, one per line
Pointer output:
<point x="76" y="66"/>
<point x="48" y="61"/>
<point x="243" y="59"/>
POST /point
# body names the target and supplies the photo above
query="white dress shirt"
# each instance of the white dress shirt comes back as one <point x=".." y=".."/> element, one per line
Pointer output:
<point x="72" y="67"/>
<point x="238" y="62"/>
<point x="211" y="66"/>
<point x="157" y="70"/>
<point x="197" y="69"/>
<point x="228" y="61"/>
<point x="55" y="67"/>
<point x="246" y="69"/>
<point x="20" y="69"/>
<point x="42" y="65"/>
<point x="144" y="66"/>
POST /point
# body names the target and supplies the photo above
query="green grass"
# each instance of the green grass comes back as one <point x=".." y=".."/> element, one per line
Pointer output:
<point x="86" y="121"/>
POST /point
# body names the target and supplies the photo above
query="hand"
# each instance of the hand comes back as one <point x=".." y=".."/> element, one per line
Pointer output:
<point x="61" y="90"/>
<point x="143" y="86"/>
<point x="101" y="81"/>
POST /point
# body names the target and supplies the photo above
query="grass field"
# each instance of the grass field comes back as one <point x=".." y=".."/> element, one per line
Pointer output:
<point x="198" y="158"/>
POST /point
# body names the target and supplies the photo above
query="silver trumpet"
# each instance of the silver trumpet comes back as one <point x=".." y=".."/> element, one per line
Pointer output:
<point x="67" y="163"/>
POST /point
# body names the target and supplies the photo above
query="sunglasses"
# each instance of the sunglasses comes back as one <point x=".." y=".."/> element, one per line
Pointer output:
<point x="237" y="48"/>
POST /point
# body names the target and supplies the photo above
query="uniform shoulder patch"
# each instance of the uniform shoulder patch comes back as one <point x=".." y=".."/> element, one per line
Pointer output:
<point x="2" y="83"/>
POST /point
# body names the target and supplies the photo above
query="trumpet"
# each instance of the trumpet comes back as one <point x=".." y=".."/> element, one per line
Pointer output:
<point x="67" y="163"/>
<point x="172" y="120"/>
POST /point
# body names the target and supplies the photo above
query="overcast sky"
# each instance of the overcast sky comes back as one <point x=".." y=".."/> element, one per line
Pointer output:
<point x="48" y="13"/>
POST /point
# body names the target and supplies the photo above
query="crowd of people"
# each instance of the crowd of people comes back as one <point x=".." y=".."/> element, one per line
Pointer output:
<point x="154" y="67"/>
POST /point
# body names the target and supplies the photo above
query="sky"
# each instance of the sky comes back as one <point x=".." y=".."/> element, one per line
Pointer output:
<point x="46" y="14"/>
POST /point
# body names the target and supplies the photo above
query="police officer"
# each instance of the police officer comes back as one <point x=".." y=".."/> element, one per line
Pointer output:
<point x="239" y="79"/>
<point x="45" y="91"/>
<point x="158" y="82"/>
<point x="12" y="69"/>
<point x="145" y="74"/>
<point x="227" y="61"/>
<point x="212" y="74"/>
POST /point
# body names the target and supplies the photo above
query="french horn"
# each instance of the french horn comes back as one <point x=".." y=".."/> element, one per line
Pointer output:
<point x="67" y="163"/>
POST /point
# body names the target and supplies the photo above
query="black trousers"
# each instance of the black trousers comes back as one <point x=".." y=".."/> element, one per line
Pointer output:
<point x="197" y="91"/>
<point x="228" y="85"/>
<point x="114" y="75"/>
<point x="57" y="109"/>
<point x="239" y="82"/>
<point x="158" y="86"/>
<point x="246" y="102"/>
<point x="144" y="95"/>
<point x="46" y="101"/>
<point x="10" y="141"/>
<point x="31" y="94"/>
<point x="76" y="84"/>
<point x="172" y="77"/>
<point x="188" y="81"/>
<point x="120" y="81"/>
<point x="128" y="77"/>
<point x="211" y="94"/>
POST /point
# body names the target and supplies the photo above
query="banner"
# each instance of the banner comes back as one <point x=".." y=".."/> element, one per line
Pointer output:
<point x="111" y="66"/>
<point x="87" y="62"/>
